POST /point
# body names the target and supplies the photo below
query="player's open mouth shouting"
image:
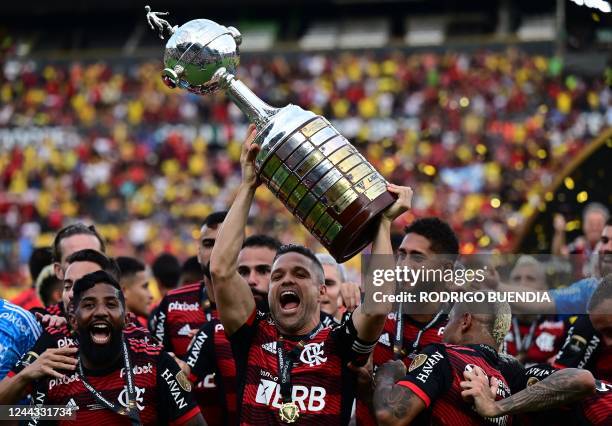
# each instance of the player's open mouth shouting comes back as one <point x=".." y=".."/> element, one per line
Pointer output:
<point x="289" y="300"/>
<point x="100" y="332"/>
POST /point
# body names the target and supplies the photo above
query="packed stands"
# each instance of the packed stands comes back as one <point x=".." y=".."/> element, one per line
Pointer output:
<point x="478" y="135"/>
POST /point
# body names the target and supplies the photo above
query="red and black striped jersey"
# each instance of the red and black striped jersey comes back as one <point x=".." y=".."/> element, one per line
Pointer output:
<point x="538" y="340"/>
<point x="584" y="348"/>
<point x="134" y="329"/>
<point x="383" y="351"/>
<point x="435" y="374"/>
<point x="212" y="365"/>
<point x="594" y="410"/>
<point x="57" y="309"/>
<point x="429" y="333"/>
<point x="597" y="409"/>
<point x="162" y="390"/>
<point x="179" y="312"/>
<point x="322" y="386"/>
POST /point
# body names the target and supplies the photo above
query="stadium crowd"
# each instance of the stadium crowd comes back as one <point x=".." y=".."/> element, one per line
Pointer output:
<point x="479" y="135"/>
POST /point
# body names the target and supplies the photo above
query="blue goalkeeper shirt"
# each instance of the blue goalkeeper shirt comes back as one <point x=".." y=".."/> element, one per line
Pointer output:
<point x="19" y="330"/>
<point x="574" y="299"/>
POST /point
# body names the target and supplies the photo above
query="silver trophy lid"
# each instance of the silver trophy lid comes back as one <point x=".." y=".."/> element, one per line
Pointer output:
<point x="196" y="51"/>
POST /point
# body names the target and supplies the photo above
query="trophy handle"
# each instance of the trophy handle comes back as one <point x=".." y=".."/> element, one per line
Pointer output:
<point x="257" y="111"/>
<point x="236" y="34"/>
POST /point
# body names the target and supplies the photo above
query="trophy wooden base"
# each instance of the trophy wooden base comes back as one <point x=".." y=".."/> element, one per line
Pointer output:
<point x="360" y="228"/>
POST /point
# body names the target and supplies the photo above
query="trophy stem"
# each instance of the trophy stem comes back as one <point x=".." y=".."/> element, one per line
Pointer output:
<point x="257" y="111"/>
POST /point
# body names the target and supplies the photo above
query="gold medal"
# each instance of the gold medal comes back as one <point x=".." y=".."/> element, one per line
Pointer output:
<point x="183" y="381"/>
<point x="289" y="412"/>
<point x="126" y="410"/>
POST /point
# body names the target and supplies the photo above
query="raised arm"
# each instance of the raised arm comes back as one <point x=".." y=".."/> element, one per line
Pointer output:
<point x="369" y="318"/>
<point x="568" y="300"/>
<point x="560" y="388"/>
<point x="559" y="246"/>
<point x="394" y="404"/>
<point x="233" y="296"/>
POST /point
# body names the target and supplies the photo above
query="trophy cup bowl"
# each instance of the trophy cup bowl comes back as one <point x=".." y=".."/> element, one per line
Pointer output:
<point x="196" y="51"/>
<point x="316" y="173"/>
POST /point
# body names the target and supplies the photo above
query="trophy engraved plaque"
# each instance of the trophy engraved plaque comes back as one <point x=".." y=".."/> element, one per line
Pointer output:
<point x="307" y="164"/>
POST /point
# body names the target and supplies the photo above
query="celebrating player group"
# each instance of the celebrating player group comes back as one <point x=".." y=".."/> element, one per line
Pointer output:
<point x="273" y="334"/>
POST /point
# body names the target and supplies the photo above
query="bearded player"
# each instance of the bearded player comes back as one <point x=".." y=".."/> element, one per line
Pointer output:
<point x="114" y="379"/>
<point x="60" y="340"/>
<point x="313" y="382"/>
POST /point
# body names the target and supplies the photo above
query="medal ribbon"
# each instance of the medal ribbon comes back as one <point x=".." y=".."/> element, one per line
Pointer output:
<point x="205" y="302"/>
<point x="132" y="410"/>
<point x="398" y="342"/>
<point x="398" y="346"/>
<point x="286" y="360"/>
<point x="524" y="343"/>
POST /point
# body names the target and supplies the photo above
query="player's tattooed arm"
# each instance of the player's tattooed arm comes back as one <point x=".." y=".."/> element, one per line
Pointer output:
<point x="560" y="388"/>
<point x="365" y="382"/>
<point x="394" y="404"/>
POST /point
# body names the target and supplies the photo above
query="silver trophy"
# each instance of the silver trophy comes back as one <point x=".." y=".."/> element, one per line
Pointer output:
<point x="317" y="174"/>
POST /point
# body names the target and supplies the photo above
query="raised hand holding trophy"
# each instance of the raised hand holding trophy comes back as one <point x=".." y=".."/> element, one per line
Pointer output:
<point x="318" y="175"/>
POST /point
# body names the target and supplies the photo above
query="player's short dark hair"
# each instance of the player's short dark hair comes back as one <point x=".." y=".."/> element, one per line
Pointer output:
<point x="602" y="293"/>
<point x="191" y="265"/>
<point x="40" y="257"/>
<point x="89" y="281"/>
<point x="129" y="265"/>
<point x="105" y="263"/>
<point x="214" y="219"/>
<point x="261" y="240"/>
<point x="396" y="240"/>
<point x="69" y="231"/>
<point x="304" y="251"/>
<point x="440" y="235"/>
<point x="167" y="270"/>
<point x="191" y="271"/>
